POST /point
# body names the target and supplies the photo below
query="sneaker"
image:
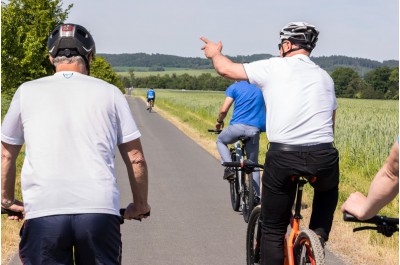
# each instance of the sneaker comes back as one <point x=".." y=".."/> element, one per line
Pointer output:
<point x="147" y="108"/>
<point x="229" y="174"/>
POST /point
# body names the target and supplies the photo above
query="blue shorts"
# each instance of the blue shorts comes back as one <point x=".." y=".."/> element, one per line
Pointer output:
<point x="90" y="238"/>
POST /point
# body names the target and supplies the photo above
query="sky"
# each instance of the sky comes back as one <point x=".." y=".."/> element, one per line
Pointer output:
<point x="355" y="28"/>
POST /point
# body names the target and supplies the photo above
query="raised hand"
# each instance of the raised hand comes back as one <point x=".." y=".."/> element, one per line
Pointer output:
<point x="211" y="49"/>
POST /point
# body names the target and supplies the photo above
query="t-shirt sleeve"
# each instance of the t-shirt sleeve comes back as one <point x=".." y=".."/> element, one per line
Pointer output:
<point x="258" y="72"/>
<point x="230" y="91"/>
<point x="12" y="131"/>
<point x="127" y="128"/>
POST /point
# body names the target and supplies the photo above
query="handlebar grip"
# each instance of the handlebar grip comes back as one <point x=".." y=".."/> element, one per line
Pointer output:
<point x="122" y="213"/>
<point x="245" y="163"/>
<point x="377" y="219"/>
<point x="232" y="164"/>
<point x="349" y="218"/>
<point x="11" y="213"/>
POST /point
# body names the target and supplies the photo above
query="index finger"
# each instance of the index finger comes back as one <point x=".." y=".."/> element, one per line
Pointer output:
<point x="204" y="40"/>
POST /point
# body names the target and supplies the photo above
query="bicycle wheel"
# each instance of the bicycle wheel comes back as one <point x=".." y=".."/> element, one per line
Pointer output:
<point x="248" y="196"/>
<point x="151" y="105"/>
<point x="253" y="237"/>
<point x="308" y="249"/>
<point x="234" y="187"/>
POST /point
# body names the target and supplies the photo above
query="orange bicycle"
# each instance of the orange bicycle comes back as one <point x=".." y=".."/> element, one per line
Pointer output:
<point x="302" y="246"/>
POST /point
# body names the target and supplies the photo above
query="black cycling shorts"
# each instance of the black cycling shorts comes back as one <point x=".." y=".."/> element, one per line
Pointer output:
<point x="91" y="238"/>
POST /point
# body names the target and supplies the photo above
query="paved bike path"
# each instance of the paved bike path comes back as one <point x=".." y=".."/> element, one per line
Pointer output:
<point x="191" y="220"/>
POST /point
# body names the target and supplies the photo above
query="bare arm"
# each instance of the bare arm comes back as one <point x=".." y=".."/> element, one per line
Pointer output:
<point x="132" y="154"/>
<point x="222" y="64"/>
<point x="223" y="111"/>
<point x="9" y="154"/>
<point x="333" y="121"/>
<point x="384" y="188"/>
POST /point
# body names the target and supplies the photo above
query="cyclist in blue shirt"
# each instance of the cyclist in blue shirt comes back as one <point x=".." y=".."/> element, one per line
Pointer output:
<point x="248" y="119"/>
<point x="151" y="95"/>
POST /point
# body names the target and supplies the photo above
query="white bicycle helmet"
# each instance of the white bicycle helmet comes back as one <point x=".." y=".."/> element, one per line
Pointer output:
<point x="303" y="34"/>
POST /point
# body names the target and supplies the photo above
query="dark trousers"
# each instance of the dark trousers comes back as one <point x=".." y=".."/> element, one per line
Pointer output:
<point x="279" y="191"/>
<point x="88" y="239"/>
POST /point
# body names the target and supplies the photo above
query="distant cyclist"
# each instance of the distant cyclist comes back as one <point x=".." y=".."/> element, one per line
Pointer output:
<point x="71" y="124"/>
<point x="151" y="95"/>
<point x="248" y="119"/>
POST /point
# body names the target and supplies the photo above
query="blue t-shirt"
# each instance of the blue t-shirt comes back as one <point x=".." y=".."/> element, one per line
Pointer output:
<point x="249" y="106"/>
<point x="150" y="93"/>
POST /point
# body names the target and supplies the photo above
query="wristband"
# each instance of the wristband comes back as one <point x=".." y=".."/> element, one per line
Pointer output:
<point x="220" y="122"/>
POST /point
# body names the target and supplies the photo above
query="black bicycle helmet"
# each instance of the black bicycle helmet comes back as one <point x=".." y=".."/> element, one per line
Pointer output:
<point x="71" y="40"/>
<point x="303" y="34"/>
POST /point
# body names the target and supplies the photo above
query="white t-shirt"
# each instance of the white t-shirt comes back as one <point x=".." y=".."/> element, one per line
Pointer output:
<point x="299" y="97"/>
<point x="70" y="124"/>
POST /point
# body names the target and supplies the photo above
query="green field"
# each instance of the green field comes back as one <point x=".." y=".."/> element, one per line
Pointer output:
<point x="168" y="71"/>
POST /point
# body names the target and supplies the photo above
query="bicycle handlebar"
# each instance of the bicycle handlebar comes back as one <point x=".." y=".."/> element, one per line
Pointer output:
<point x="244" y="164"/>
<point x="11" y="213"/>
<point x="19" y="214"/>
<point x="378" y="219"/>
<point x="215" y="131"/>
<point x="122" y="213"/>
<point x="384" y="225"/>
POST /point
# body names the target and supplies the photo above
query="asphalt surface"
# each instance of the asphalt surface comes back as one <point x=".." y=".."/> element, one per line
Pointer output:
<point x="191" y="219"/>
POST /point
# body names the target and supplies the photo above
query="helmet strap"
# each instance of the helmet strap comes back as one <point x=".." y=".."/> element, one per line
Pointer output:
<point x="291" y="50"/>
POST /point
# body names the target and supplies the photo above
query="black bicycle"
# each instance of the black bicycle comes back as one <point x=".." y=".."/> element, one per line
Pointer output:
<point x="245" y="169"/>
<point x="241" y="187"/>
<point x="20" y="216"/>
<point x="384" y="225"/>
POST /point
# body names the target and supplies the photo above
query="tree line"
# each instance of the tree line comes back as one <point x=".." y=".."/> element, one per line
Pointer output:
<point x="184" y="81"/>
<point x="381" y="83"/>
<point x="160" y="61"/>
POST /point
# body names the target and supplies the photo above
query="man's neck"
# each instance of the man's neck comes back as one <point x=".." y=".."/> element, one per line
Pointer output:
<point x="304" y="52"/>
<point x="72" y="67"/>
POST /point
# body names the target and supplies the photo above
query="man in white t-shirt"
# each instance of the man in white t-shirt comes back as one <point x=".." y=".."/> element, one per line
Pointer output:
<point x="71" y="124"/>
<point x="300" y="103"/>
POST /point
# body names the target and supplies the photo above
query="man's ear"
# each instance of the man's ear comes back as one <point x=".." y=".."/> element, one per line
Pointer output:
<point x="90" y="58"/>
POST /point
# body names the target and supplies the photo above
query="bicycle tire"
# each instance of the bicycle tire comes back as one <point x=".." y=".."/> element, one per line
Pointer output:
<point x="150" y="105"/>
<point x="234" y="187"/>
<point x="308" y="249"/>
<point x="253" y="237"/>
<point x="248" y="196"/>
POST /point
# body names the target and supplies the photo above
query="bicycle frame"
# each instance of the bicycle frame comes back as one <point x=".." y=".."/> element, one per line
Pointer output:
<point x="295" y="224"/>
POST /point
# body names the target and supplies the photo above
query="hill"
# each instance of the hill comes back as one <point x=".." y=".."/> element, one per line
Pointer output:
<point x="329" y="63"/>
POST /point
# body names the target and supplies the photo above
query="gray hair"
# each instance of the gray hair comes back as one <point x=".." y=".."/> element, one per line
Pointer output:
<point x="68" y="60"/>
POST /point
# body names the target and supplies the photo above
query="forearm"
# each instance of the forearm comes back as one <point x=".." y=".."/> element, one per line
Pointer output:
<point x="221" y="116"/>
<point x="383" y="189"/>
<point x="9" y="154"/>
<point x="8" y="175"/>
<point x="138" y="179"/>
